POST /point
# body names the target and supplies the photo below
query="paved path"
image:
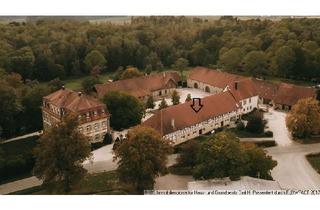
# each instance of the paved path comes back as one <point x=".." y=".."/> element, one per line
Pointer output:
<point x="262" y="139"/>
<point x="293" y="170"/>
<point x="37" y="133"/>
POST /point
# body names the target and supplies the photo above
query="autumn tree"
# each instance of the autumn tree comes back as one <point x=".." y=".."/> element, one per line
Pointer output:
<point x="125" y="109"/>
<point x="60" y="154"/>
<point x="163" y="104"/>
<point x="130" y="72"/>
<point x="304" y="118"/>
<point x="175" y="98"/>
<point x="231" y="59"/>
<point x="150" y="102"/>
<point x="141" y="158"/>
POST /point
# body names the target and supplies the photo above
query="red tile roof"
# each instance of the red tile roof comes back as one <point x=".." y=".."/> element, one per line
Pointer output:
<point x="73" y="101"/>
<point x="243" y="89"/>
<point x="184" y="116"/>
<point x="289" y="94"/>
<point x="213" y="77"/>
<point x="140" y="86"/>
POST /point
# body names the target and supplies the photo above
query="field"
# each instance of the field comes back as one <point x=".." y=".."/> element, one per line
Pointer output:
<point x="19" y="147"/>
<point x="105" y="183"/>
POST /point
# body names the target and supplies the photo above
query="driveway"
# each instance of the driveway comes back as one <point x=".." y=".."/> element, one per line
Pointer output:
<point x="293" y="170"/>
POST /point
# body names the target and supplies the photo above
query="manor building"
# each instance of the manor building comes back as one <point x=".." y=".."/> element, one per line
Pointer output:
<point x="92" y="115"/>
<point x="280" y="95"/>
<point x="180" y="123"/>
<point x="156" y="85"/>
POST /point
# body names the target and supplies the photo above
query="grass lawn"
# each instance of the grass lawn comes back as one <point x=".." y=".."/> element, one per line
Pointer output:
<point x="19" y="147"/>
<point x="314" y="160"/>
<point x="75" y="84"/>
<point x="246" y="134"/>
<point x="105" y="183"/>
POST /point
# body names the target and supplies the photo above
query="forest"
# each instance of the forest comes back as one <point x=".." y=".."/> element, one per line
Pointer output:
<point x="34" y="52"/>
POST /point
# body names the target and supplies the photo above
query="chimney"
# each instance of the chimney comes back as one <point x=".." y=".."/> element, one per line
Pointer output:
<point x="79" y="93"/>
<point x="172" y="123"/>
<point x="62" y="87"/>
<point x="236" y="85"/>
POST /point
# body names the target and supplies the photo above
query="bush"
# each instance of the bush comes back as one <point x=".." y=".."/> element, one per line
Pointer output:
<point x="187" y="170"/>
<point x="255" y="122"/>
<point x="240" y="125"/>
<point x="268" y="134"/>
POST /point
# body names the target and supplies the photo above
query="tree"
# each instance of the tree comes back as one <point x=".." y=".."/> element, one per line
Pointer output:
<point x="304" y="118"/>
<point x="55" y="84"/>
<point x="231" y="59"/>
<point x="259" y="163"/>
<point x="31" y="114"/>
<point x="163" y="104"/>
<point x="131" y="72"/>
<point x="150" y="102"/>
<point x="94" y="59"/>
<point x="255" y="122"/>
<point x="175" y="98"/>
<point x="221" y="156"/>
<point x="89" y="82"/>
<point x="142" y="157"/>
<point x="10" y="107"/>
<point x="60" y="154"/>
<point x="125" y="109"/>
<point x="181" y="64"/>
<point x="188" y="97"/>
<point x="22" y="61"/>
<point x="188" y="154"/>
<point x="255" y="62"/>
<point x="284" y="60"/>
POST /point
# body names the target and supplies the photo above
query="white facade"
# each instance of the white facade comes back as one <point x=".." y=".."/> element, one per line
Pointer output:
<point x="204" y="127"/>
<point x="249" y="104"/>
<point x="95" y="130"/>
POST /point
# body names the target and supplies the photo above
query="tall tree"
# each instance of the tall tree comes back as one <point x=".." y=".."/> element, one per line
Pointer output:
<point x="304" y="118"/>
<point x="93" y="59"/>
<point x="142" y="157"/>
<point x="231" y="59"/>
<point x="175" y="98"/>
<point x="60" y="154"/>
<point x="181" y="65"/>
<point x="150" y="102"/>
<point x="255" y="62"/>
<point x="163" y="104"/>
<point x="125" y="109"/>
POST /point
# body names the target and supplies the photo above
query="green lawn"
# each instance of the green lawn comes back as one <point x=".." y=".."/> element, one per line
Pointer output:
<point x="75" y="84"/>
<point x="314" y="160"/>
<point x="105" y="183"/>
<point x="246" y="134"/>
<point x="19" y="147"/>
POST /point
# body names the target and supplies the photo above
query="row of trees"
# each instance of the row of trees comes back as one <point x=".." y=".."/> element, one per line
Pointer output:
<point x="48" y="49"/>
<point x="20" y="104"/>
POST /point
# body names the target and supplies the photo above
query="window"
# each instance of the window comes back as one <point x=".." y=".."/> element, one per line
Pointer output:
<point x="80" y="129"/>
<point x="249" y="100"/>
<point x="88" y="128"/>
<point x="97" y="137"/>
<point x="104" y="124"/>
<point x="95" y="113"/>
<point x="165" y="91"/>
<point x="244" y="102"/>
<point x="96" y="126"/>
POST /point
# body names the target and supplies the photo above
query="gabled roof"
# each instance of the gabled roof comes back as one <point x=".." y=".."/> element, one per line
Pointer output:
<point x="73" y="101"/>
<point x="243" y="89"/>
<point x="289" y="94"/>
<point x="139" y="86"/>
<point x="184" y="116"/>
<point x="215" y="78"/>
